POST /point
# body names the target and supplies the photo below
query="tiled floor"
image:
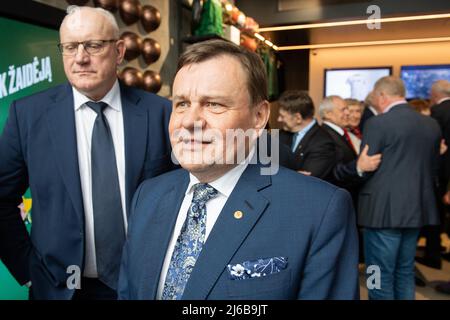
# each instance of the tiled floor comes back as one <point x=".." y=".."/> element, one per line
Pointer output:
<point x="432" y="277"/>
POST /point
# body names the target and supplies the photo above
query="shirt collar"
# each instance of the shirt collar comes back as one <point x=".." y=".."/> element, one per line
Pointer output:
<point x="307" y="128"/>
<point x="443" y="99"/>
<point x="393" y="104"/>
<point x="110" y="98"/>
<point x="375" y="111"/>
<point x="335" y="127"/>
<point x="226" y="183"/>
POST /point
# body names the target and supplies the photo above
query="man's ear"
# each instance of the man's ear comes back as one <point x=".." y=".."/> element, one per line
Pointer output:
<point x="298" y="117"/>
<point x="120" y="47"/>
<point x="262" y="113"/>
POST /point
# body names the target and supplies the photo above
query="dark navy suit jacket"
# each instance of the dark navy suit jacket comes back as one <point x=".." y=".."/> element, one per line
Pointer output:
<point x="38" y="149"/>
<point x="307" y="221"/>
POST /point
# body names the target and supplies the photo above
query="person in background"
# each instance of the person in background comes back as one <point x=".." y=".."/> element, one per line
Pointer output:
<point x="313" y="148"/>
<point x="398" y="198"/>
<point x="420" y="105"/>
<point x="82" y="148"/>
<point x="335" y="115"/>
<point x="440" y="110"/>
<point x="355" y="109"/>
<point x="432" y="234"/>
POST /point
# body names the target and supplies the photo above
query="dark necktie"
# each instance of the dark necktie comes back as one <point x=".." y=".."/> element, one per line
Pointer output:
<point x="189" y="243"/>
<point x="109" y="230"/>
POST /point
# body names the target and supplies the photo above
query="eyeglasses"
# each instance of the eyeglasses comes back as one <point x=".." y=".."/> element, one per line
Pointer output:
<point x="92" y="47"/>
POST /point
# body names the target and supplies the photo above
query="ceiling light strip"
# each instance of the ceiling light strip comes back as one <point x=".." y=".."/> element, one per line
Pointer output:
<point x="361" y="43"/>
<point x="356" y="22"/>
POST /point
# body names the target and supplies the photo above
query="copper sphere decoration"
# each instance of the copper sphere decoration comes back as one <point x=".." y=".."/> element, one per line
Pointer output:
<point x="151" y="50"/>
<point x="77" y="2"/>
<point x="133" y="43"/>
<point x="249" y="42"/>
<point x="129" y="11"/>
<point x="150" y="18"/>
<point x="110" y="5"/>
<point x="151" y="81"/>
<point x="131" y="77"/>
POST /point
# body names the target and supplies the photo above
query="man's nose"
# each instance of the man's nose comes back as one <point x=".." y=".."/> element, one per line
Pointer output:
<point x="193" y="117"/>
<point x="81" y="56"/>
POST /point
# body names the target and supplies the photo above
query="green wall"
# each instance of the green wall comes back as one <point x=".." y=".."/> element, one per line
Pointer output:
<point x="29" y="62"/>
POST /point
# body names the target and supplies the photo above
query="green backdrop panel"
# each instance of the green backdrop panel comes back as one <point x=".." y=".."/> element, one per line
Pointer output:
<point x="29" y="63"/>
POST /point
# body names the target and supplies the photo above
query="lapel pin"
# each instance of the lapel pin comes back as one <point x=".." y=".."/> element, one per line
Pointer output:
<point x="238" y="214"/>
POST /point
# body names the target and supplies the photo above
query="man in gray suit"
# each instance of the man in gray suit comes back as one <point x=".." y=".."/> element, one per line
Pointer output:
<point x="397" y="199"/>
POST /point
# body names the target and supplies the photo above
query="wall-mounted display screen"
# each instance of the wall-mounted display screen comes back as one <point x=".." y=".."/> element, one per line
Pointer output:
<point x="353" y="83"/>
<point x="418" y="79"/>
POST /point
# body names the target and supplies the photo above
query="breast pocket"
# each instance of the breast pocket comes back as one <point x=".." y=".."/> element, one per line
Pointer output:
<point x="273" y="286"/>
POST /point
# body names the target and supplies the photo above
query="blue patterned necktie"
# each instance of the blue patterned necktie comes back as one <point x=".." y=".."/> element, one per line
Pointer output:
<point x="189" y="243"/>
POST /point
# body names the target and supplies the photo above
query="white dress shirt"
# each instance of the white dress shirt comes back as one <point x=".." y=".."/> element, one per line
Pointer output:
<point x="299" y="135"/>
<point x="224" y="185"/>
<point x="443" y="99"/>
<point x="355" y="141"/>
<point x="374" y="111"/>
<point x="84" y="123"/>
<point x="335" y="127"/>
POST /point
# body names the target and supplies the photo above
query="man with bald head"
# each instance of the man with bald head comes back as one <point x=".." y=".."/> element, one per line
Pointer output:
<point x="82" y="148"/>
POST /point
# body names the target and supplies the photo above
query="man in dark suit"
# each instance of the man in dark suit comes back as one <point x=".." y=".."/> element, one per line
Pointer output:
<point x="397" y="199"/>
<point x="440" y="97"/>
<point x="82" y="148"/>
<point x="313" y="148"/>
<point x="334" y="112"/>
<point x="230" y="230"/>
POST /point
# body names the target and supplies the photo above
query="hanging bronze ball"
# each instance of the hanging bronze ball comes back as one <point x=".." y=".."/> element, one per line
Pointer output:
<point x="110" y="5"/>
<point x="129" y="11"/>
<point x="151" y="50"/>
<point x="150" y="18"/>
<point x="151" y="81"/>
<point x="133" y="43"/>
<point x="131" y="77"/>
<point x="77" y="2"/>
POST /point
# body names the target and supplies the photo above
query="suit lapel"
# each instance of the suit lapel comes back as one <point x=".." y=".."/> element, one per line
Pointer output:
<point x="340" y="139"/>
<point x="159" y="236"/>
<point x="228" y="232"/>
<point x="61" y="124"/>
<point x="135" y="130"/>
<point x="306" y="138"/>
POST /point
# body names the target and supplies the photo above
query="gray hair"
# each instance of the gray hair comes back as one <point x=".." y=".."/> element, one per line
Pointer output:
<point x="390" y="86"/>
<point x="108" y="15"/>
<point x="327" y="105"/>
<point x="442" y="87"/>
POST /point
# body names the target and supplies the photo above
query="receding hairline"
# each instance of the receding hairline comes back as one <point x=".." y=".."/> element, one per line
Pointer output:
<point x="100" y="12"/>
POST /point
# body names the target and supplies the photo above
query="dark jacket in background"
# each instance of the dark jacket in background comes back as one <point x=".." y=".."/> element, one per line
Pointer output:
<point x="441" y="112"/>
<point x="315" y="152"/>
<point x="401" y="192"/>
